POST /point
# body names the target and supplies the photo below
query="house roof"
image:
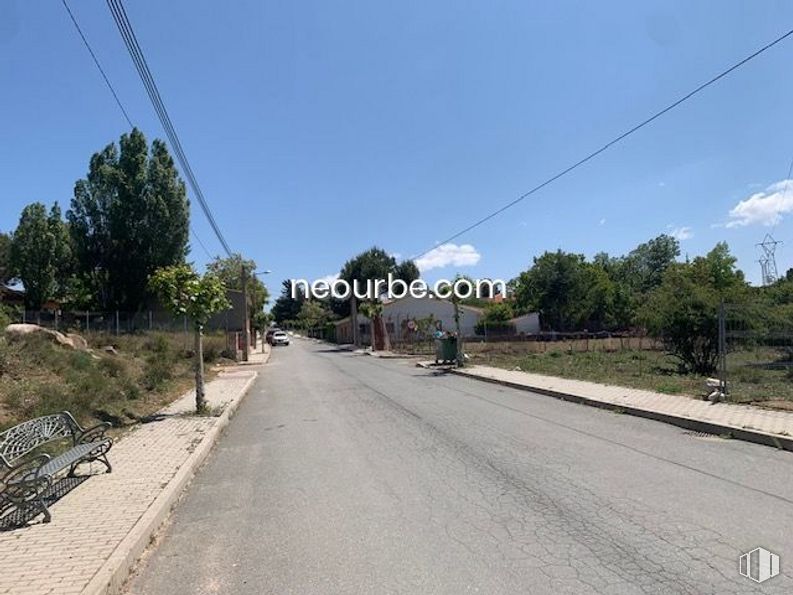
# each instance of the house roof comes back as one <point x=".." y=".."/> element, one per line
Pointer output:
<point x="434" y="298"/>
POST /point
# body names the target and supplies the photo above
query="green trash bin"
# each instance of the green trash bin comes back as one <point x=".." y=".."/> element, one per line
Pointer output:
<point x="446" y="350"/>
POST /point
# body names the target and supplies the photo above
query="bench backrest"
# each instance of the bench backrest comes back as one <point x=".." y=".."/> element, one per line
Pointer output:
<point x="18" y="441"/>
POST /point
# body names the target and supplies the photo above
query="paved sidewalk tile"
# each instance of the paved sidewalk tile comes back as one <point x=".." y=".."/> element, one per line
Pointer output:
<point x="739" y="417"/>
<point x="91" y="521"/>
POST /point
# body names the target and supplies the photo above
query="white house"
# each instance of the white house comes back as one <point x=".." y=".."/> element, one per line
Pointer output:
<point x="526" y="324"/>
<point x="404" y="317"/>
<point x="401" y="315"/>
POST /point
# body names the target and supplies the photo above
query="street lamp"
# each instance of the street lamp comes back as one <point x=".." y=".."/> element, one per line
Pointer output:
<point x="247" y="329"/>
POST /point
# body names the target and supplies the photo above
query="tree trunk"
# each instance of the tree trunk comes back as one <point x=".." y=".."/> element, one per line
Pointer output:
<point x="354" y="321"/>
<point x="380" y="339"/>
<point x="386" y="338"/>
<point x="200" y="397"/>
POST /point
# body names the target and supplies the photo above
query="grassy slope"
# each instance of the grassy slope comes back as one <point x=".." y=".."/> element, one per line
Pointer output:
<point x="38" y="377"/>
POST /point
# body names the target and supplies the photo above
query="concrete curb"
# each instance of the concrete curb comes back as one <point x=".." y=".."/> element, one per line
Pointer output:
<point x="111" y="577"/>
<point x="696" y="425"/>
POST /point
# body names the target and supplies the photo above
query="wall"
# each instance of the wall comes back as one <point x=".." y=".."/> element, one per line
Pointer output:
<point x="399" y="312"/>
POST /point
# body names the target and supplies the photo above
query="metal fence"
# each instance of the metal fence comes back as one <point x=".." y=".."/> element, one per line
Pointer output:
<point x="115" y="322"/>
<point x="579" y="342"/>
<point x="755" y="353"/>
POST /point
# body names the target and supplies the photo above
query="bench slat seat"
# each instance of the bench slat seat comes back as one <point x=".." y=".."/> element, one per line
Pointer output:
<point x="66" y="459"/>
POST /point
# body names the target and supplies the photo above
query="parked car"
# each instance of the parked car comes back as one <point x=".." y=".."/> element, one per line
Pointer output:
<point x="268" y="336"/>
<point x="280" y="338"/>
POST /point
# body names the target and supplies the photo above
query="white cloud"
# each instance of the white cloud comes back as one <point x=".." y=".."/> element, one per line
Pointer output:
<point x="449" y="255"/>
<point x="764" y="208"/>
<point x="329" y="278"/>
<point x="682" y="233"/>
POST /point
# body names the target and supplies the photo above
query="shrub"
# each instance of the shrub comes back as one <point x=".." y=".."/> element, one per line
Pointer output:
<point x="156" y="373"/>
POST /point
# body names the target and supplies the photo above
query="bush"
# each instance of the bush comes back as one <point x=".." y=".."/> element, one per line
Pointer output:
<point x="156" y="374"/>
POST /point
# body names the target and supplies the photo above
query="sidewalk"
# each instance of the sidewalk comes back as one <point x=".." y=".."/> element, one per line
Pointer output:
<point x="744" y="422"/>
<point x="102" y="525"/>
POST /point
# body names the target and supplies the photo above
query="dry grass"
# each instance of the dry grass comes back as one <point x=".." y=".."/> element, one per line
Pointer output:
<point x="148" y="371"/>
<point x="749" y="380"/>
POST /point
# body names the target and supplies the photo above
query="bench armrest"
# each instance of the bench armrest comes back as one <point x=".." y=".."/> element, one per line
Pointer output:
<point x="93" y="434"/>
<point x="25" y="472"/>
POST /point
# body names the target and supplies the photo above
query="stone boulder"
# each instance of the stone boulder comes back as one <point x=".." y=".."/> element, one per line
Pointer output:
<point x="70" y="341"/>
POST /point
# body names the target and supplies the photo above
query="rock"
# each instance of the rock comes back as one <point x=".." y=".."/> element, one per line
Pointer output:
<point x="70" y="340"/>
<point x="78" y="340"/>
<point x="15" y="331"/>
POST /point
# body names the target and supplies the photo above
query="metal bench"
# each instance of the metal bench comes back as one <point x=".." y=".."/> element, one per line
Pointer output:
<point x="26" y="476"/>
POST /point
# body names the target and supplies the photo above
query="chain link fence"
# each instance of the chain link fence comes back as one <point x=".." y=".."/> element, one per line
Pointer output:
<point x="756" y="353"/>
<point x="117" y="322"/>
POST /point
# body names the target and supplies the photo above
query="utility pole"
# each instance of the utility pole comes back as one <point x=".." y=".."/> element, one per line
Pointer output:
<point x="247" y="329"/>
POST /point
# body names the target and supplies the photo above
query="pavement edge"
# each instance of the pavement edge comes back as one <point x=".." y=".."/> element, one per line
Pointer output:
<point x="696" y="425"/>
<point x="110" y="578"/>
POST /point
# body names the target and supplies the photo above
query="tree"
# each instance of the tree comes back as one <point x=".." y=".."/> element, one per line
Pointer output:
<point x="495" y="319"/>
<point x="286" y="307"/>
<point x="128" y="217"/>
<point x="39" y="255"/>
<point x="375" y="263"/>
<point x="560" y="287"/>
<point x="644" y="266"/>
<point x="5" y="258"/>
<point x="684" y="309"/>
<point x="313" y="314"/>
<point x="185" y="292"/>
<point x="229" y="270"/>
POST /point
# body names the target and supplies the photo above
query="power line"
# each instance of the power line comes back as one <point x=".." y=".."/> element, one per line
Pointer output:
<point x="118" y="100"/>
<point x="611" y="143"/>
<point x="136" y="53"/>
<point x="98" y="65"/>
<point x="200" y="243"/>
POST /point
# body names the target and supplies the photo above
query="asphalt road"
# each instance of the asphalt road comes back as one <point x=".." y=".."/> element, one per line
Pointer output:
<point x="343" y="473"/>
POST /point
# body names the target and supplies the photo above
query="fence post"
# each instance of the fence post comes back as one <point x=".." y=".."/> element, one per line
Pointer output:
<point x="722" y="349"/>
<point x="150" y="320"/>
<point x="87" y="320"/>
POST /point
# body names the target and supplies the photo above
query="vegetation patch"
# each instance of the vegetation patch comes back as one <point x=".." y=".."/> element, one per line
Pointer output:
<point x="142" y="374"/>
<point x="649" y="370"/>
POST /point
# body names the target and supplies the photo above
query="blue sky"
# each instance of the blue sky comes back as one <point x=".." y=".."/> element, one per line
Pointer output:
<point x="317" y="129"/>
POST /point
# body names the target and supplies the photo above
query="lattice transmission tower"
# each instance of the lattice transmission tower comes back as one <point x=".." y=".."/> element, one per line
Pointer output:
<point x="768" y="259"/>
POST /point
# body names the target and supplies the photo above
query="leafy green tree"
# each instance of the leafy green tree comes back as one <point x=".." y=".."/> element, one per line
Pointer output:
<point x="40" y="254"/>
<point x="556" y="286"/>
<point x="5" y="258"/>
<point x="229" y="270"/>
<point x="285" y="307"/>
<point x="684" y="309"/>
<point x="375" y="263"/>
<point x="128" y="217"/>
<point x="644" y="266"/>
<point x="313" y="314"/>
<point x="495" y="318"/>
<point x="185" y="292"/>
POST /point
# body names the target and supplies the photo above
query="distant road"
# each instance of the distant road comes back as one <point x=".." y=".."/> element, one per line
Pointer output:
<point x="342" y="473"/>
